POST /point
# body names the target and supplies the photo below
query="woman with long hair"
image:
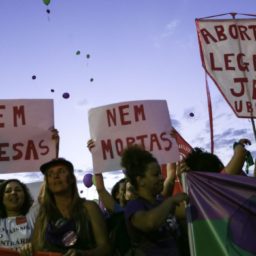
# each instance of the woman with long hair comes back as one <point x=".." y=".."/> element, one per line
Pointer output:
<point x="17" y="216"/>
<point x="66" y="222"/>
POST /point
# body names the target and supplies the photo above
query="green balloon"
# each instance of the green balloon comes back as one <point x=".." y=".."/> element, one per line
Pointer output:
<point x="93" y="180"/>
<point x="46" y="2"/>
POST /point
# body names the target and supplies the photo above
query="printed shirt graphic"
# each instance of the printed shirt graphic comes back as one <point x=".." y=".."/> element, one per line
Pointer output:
<point x="17" y="231"/>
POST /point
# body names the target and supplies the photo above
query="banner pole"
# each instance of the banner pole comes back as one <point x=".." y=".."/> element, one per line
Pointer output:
<point x="209" y="113"/>
<point x="253" y="128"/>
<point x="191" y="239"/>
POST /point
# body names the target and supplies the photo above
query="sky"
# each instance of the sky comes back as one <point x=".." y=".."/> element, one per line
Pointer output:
<point x="129" y="50"/>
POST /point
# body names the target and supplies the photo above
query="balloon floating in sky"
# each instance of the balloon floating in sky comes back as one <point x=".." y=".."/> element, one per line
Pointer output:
<point x="33" y="77"/>
<point x="46" y="2"/>
<point x="87" y="180"/>
<point x="65" y="95"/>
<point x="78" y="52"/>
<point x="91" y="80"/>
<point x="88" y="56"/>
<point x="52" y="90"/>
<point x="48" y="11"/>
<point x="191" y="114"/>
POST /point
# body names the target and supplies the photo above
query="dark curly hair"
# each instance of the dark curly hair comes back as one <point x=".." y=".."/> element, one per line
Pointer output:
<point x="135" y="160"/>
<point x="28" y="199"/>
<point x="203" y="161"/>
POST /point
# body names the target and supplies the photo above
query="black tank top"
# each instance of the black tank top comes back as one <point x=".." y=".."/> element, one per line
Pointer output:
<point x="63" y="234"/>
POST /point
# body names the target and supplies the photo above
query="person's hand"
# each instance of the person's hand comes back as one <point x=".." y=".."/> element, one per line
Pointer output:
<point x="244" y="142"/>
<point x="90" y="144"/>
<point x="173" y="133"/>
<point x="26" y="250"/>
<point x="55" y="135"/>
<point x="179" y="198"/>
<point x="56" y="139"/>
<point x="181" y="167"/>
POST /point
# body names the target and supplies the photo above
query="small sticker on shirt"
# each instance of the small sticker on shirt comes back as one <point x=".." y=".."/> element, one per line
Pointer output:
<point x="21" y="220"/>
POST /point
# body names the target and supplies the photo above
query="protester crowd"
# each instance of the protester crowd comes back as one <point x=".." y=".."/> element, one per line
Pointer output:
<point x="140" y="216"/>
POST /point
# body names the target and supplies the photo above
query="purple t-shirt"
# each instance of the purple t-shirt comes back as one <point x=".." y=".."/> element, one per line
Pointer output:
<point x="156" y="242"/>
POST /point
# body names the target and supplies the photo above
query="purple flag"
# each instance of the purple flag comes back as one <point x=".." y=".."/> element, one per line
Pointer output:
<point x="222" y="214"/>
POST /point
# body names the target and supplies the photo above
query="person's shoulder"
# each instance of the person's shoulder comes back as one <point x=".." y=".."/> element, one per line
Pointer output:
<point x="242" y="173"/>
<point x="8" y="221"/>
<point x="90" y="205"/>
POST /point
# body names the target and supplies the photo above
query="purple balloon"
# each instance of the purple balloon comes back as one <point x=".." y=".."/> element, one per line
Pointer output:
<point x="87" y="180"/>
<point x="65" y="95"/>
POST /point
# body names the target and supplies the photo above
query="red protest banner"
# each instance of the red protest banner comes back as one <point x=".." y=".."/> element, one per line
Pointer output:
<point x="47" y="254"/>
<point x="10" y="252"/>
<point x="184" y="150"/>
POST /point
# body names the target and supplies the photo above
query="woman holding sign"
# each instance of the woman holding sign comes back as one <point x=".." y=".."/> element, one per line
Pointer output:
<point x="150" y="218"/>
<point x="18" y="212"/>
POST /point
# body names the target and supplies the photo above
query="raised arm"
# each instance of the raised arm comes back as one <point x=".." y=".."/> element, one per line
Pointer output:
<point x="169" y="180"/>
<point x="236" y="163"/>
<point x="151" y="220"/>
<point x="105" y="197"/>
<point x="56" y="138"/>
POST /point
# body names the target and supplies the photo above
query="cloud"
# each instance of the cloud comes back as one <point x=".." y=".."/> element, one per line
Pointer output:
<point x="23" y="176"/>
<point x="228" y="137"/>
<point x="240" y="133"/>
<point x="176" y="123"/>
<point x="170" y="28"/>
<point x="82" y="103"/>
<point x="199" y="142"/>
<point x="168" y="31"/>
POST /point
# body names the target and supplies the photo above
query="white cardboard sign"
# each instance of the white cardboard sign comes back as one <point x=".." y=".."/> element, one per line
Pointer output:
<point x="114" y="127"/>
<point x="25" y="134"/>
<point x="228" y="52"/>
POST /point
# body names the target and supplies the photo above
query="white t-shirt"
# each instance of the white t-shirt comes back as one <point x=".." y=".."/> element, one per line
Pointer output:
<point x="17" y="231"/>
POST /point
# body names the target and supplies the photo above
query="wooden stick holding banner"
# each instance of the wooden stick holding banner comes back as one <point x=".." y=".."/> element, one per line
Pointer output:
<point x="10" y="252"/>
<point x="189" y="218"/>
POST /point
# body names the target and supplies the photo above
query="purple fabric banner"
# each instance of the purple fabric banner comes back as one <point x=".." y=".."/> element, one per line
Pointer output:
<point x="222" y="213"/>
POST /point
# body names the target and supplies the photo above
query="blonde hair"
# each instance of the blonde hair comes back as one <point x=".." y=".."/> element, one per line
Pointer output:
<point x="48" y="209"/>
